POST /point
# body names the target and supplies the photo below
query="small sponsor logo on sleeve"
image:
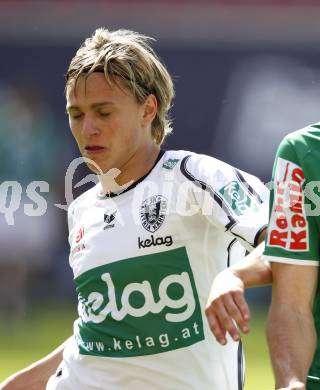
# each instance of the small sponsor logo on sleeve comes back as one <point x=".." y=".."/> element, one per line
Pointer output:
<point x="237" y="197"/>
<point x="78" y="244"/>
<point x="170" y="163"/>
<point x="288" y="227"/>
<point x="80" y="234"/>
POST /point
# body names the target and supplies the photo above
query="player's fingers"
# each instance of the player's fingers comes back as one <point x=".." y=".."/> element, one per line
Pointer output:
<point x="216" y="328"/>
<point x="235" y="313"/>
<point x="226" y="321"/>
<point x="239" y="300"/>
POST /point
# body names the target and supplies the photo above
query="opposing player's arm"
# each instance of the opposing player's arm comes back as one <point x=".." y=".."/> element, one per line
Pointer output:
<point x="226" y="305"/>
<point x="290" y="329"/>
<point x="293" y="250"/>
<point x="35" y="376"/>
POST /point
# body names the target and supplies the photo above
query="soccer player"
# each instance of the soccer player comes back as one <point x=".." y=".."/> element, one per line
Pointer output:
<point x="292" y="248"/>
<point x="147" y="241"/>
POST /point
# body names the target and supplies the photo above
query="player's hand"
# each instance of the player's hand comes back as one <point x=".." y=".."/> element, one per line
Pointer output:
<point x="227" y="307"/>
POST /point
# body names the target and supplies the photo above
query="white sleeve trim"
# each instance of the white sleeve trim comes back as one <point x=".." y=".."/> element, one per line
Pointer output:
<point x="275" y="259"/>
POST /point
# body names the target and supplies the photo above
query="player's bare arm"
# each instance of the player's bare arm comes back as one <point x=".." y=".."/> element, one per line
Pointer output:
<point x="35" y="376"/>
<point x="290" y="329"/>
<point x="226" y="305"/>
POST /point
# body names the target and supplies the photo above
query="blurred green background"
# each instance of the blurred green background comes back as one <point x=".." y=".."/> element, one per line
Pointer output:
<point x="44" y="329"/>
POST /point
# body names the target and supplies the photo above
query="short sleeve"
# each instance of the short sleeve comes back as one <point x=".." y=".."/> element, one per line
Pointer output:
<point x="293" y="236"/>
<point x="229" y="198"/>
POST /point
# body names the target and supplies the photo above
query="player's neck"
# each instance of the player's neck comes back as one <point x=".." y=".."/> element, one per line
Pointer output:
<point x="134" y="169"/>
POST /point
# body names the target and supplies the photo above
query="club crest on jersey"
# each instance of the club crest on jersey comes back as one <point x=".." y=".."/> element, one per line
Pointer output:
<point x="109" y="219"/>
<point x="153" y="212"/>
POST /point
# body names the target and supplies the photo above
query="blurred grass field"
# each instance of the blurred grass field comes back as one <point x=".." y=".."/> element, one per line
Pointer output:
<point x="44" y="329"/>
<point x="258" y="367"/>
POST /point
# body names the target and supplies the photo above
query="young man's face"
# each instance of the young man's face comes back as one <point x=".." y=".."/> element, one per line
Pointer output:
<point x="108" y="124"/>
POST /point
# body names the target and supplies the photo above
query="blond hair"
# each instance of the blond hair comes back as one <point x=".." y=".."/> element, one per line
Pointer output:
<point x="127" y="55"/>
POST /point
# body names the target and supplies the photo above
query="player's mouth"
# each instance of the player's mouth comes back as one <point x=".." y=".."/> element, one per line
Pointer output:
<point x="94" y="149"/>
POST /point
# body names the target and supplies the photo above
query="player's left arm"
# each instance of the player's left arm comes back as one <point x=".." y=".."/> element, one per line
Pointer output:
<point x="292" y="247"/>
<point x="227" y="307"/>
<point x="290" y="328"/>
<point x="237" y="203"/>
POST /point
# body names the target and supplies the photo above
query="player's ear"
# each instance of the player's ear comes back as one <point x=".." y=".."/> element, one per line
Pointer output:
<point x="150" y="107"/>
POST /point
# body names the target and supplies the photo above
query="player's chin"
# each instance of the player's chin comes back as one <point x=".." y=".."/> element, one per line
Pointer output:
<point x="94" y="168"/>
<point x="99" y="167"/>
<point x="94" y="165"/>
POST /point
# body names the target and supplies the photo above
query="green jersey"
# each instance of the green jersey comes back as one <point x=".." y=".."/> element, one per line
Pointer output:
<point x="294" y="225"/>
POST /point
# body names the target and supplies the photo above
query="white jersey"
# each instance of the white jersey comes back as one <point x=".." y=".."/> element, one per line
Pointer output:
<point x="143" y="264"/>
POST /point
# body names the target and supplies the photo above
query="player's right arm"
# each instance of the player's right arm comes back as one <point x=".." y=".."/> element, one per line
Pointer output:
<point x="35" y="376"/>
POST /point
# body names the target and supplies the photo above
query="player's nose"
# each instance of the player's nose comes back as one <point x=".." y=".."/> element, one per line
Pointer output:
<point x="89" y="127"/>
